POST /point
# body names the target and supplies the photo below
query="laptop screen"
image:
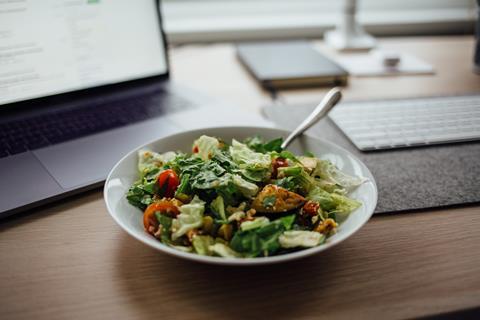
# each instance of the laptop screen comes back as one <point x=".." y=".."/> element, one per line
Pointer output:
<point x="55" y="46"/>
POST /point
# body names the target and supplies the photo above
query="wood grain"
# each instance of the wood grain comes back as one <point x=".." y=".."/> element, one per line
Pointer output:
<point x="71" y="261"/>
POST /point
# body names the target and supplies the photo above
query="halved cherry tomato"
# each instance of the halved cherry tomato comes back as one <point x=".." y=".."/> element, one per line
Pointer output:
<point x="311" y="208"/>
<point x="277" y="163"/>
<point x="168" y="182"/>
<point x="165" y="207"/>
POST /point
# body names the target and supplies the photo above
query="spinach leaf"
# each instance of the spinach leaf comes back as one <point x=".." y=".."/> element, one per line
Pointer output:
<point x="259" y="241"/>
<point x="247" y="242"/>
<point x="205" y="175"/>
<point x="287" y="221"/>
<point x="166" y="223"/>
<point x="254" y="143"/>
<point x="150" y="187"/>
<point x="184" y="164"/>
<point x="273" y="145"/>
<point x="209" y="178"/>
<point x="184" y="186"/>
<point x="151" y="174"/>
<point x="224" y="159"/>
<point x="230" y="193"/>
<point x="288" y="155"/>
<point x="257" y="144"/>
<point x="288" y="183"/>
<point x="138" y="196"/>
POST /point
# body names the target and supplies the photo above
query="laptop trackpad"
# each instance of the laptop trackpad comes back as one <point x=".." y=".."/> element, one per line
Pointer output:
<point x="88" y="160"/>
<point x="24" y="181"/>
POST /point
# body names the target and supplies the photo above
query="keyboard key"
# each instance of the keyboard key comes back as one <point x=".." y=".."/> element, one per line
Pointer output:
<point x="37" y="142"/>
<point x="3" y="153"/>
<point x="14" y="148"/>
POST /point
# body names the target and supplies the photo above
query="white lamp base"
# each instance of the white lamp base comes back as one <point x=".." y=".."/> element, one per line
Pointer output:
<point x="354" y="41"/>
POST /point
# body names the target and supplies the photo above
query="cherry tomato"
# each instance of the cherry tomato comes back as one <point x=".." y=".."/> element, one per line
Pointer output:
<point x="311" y="208"/>
<point x="277" y="163"/>
<point x="150" y="221"/>
<point x="195" y="149"/>
<point x="168" y="182"/>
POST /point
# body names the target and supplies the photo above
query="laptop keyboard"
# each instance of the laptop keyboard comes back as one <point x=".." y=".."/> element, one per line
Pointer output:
<point x="409" y="122"/>
<point x="55" y="127"/>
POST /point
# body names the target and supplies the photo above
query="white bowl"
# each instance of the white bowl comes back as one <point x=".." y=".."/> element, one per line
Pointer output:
<point x="124" y="173"/>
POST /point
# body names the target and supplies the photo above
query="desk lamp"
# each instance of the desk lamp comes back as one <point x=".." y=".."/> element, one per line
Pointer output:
<point x="348" y="34"/>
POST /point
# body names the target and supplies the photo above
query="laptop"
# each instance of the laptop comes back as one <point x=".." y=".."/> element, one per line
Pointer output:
<point x="81" y="84"/>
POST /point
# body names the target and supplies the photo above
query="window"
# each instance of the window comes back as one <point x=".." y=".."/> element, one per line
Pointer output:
<point x="228" y="20"/>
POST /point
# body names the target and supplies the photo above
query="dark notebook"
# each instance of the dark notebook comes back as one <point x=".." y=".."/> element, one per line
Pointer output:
<point x="407" y="179"/>
<point x="289" y="64"/>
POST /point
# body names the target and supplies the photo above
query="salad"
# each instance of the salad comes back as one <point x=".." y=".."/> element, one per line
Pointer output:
<point x="241" y="200"/>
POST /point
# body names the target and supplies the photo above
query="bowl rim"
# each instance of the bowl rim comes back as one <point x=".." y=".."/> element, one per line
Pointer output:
<point x="238" y="261"/>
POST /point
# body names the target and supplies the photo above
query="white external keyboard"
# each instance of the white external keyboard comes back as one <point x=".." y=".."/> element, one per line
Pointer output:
<point x="387" y="124"/>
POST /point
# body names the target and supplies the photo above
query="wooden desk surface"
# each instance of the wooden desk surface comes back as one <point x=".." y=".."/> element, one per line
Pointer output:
<point x="70" y="260"/>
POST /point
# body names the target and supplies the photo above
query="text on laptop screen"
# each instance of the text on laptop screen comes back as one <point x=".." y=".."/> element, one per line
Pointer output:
<point x="54" y="46"/>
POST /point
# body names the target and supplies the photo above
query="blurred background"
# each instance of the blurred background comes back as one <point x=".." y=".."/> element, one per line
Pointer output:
<point x="189" y="21"/>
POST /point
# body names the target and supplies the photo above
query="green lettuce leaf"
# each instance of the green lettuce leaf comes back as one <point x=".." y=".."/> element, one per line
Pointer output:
<point x="328" y="172"/>
<point x="334" y="203"/>
<point x="222" y="250"/>
<point x="248" y="189"/>
<point x="148" y="160"/>
<point x="299" y="177"/>
<point x="255" y="223"/>
<point x="181" y="248"/>
<point x="253" y="165"/>
<point x="190" y="217"/>
<point x="206" y="146"/>
<point x="298" y="238"/>
<point x="201" y="245"/>
<point x="218" y="208"/>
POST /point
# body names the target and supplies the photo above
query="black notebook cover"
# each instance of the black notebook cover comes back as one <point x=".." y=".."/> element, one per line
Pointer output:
<point x="289" y="64"/>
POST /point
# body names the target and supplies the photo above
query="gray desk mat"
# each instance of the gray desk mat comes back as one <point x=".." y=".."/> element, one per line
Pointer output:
<point x="408" y="178"/>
